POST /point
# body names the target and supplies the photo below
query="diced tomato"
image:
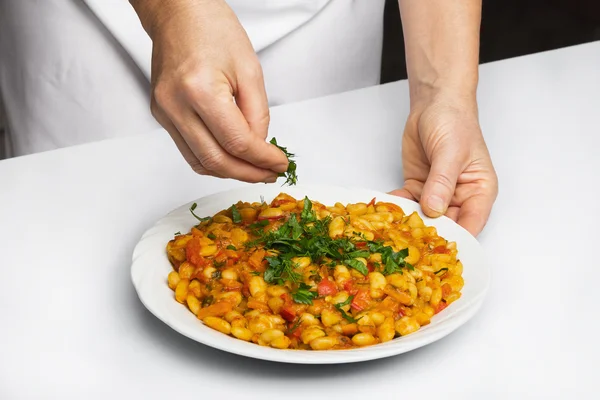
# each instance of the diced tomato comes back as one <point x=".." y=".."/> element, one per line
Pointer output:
<point x="297" y="332"/>
<point x="287" y="298"/>
<point x="441" y="305"/>
<point x="349" y="287"/>
<point x="370" y="267"/>
<point x="192" y="251"/>
<point x="287" y="313"/>
<point x="372" y="202"/>
<point x="230" y="262"/>
<point x="446" y="289"/>
<point x="246" y="291"/>
<point x="360" y="245"/>
<point x="326" y="288"/>
<point x="441" y="250"/>
<point x="361" y="300"/>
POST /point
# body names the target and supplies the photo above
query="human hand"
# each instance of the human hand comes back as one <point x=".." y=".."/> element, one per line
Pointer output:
<point x="446" y="163"/>
<point x="208" y="90"/>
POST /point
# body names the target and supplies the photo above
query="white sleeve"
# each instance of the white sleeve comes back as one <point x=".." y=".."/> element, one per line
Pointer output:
<point x="265" y="21"/>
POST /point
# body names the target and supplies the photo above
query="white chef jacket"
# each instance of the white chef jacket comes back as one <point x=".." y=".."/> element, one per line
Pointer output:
<point x="74" y="71"/>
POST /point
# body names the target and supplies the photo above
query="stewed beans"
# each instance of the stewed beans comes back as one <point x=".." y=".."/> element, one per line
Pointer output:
<point x="295" y="274"/>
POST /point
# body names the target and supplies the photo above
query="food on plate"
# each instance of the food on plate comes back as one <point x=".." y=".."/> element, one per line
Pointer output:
<point x="295" y="274"/>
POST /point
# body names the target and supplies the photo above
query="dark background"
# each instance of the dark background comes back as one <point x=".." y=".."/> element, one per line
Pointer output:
<point x="509" y="28"/>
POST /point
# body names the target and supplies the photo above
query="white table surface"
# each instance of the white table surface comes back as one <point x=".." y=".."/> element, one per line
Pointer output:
<point x="73" y="328"/>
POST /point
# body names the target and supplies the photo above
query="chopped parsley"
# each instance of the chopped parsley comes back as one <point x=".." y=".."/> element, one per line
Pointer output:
<point x="208" y="301"/>
<point x="440" y="270"/>
<point x="393" y="260"/>
<point x="345" y="315"/>
<point x="280" y="270"/>
<point x="231" y="247"/>
<point x="291" y="178"/>
<point x="211" y="236"/>
<point x="203" y="219"/>
<point x="305" y="235"/>
<point x="295" y="326"/>
<point x="357" y="265"/>
<point x="236" y="216"/>
<point x="304" y="295"/>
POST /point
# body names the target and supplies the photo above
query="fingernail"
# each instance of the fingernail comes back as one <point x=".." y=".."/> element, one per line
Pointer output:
<point x="436" y="204"/>
<point x="271" y="179"/>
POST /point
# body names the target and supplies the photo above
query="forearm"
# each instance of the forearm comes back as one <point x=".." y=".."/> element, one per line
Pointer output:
<point x="153" y="12"/>
<point x="442" y="46"/>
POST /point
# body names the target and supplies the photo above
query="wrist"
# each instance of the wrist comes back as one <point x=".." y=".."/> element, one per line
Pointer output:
<point x="426" y="91"/>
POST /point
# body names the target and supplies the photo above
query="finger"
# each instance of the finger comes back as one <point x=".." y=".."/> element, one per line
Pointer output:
<point x="475" y="212"/>
<point x="412" y="190"/>
<point x="182" y="146"/>
<point x="227" y="124"/>
<point x="441" y="183"/>
<point x="452" y="213"/>
<point x="210" y="154"/>
<point x="403" y="193"/>
<point x="251" y="98"/>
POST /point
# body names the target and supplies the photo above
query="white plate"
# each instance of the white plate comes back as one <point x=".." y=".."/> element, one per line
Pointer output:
<point x="151" y="267"/>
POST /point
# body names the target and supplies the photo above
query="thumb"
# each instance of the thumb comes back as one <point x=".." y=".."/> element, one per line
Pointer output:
<point x="441" y="183"/>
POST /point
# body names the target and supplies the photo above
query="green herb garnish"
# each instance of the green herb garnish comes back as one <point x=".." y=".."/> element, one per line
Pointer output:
<point x="231" y="247"/>
<point x="291" y="178"/>
<point x="393" y="261"/>
<point x="346" y="316"/>
<point x="357" y="265"/>
<point x="235" y="213"/>
<point x="203" y="219"/>
<point x="259" y="224"/>
<point x="305" y="235"/>
<point x="440" y="270"/>
<point x="207" y="301"/>
<point x="280" y="270"/>
<point x="304" y="295"/>
<point x="211" y="236"/>
<point x="295" y="326"/>
<point x="177" y="233"/>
